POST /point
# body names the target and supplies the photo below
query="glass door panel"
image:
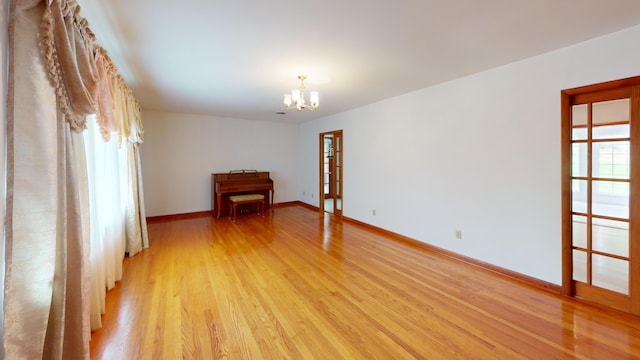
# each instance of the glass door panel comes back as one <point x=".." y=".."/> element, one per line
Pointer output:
<point x="579" y="116"/>
<point x="579" y="160"/>
<point x="338" y="172"/>
<point x="608" y="236"/>
<point x="610" y="112"/>
<point x="610" y="199"/>
<point x="610" y="132"/>
<point x="326" y="173"/>
<point x="580" y="265"/>
<point x="579" y="231"/>
<point x="600" y="178"/>
<point x="611" y="159"/>
<point x="610" y="273"/>
<point x="579" y="196"/>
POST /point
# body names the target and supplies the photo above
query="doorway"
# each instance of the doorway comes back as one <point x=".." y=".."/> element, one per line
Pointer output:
<point x="600" y="188"/>
<point x="331" y="173"/>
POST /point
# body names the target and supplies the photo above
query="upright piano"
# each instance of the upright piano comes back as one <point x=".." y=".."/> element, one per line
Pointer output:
<point x="238" y="182"/>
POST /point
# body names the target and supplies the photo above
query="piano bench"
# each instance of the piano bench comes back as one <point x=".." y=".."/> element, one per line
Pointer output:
<point x="246" y="199"/>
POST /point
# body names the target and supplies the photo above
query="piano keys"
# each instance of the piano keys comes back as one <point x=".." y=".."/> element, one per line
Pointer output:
<point x="238" y="182"/>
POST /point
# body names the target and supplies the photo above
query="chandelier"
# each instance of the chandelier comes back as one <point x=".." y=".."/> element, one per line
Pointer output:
<point x="296" y="98"/>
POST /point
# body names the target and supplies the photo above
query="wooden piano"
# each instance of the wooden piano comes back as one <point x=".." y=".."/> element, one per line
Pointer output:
<point x="238" y="182"/>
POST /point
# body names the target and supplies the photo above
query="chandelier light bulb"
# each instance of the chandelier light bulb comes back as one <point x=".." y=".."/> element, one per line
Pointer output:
<point x="295" y="95"/>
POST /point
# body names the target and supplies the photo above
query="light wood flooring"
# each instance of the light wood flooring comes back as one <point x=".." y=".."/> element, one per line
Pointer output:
<point x="298" y="285"/>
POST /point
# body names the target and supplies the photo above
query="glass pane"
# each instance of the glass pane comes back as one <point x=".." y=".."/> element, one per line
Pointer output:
<point x="328" y="147"/>
<point x="580" y="266"/>
<point x="610" y="198"/>
<point x="610" y="273"/>
<point x="579" y="133"/>
<point x="579" y="196"/>
<point x="338" y="175"/>
<point x="611" y="160"/>
<point x="609" y="236"/>
<point x="339" y="203"/>
<point x="610" y="132"/>
<point x="579" y="159"/>
<point x="579" y="115"/>
<point x="612" y="111"/>
<point x="579" y="236"/>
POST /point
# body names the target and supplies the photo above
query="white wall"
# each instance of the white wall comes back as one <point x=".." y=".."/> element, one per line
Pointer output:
<point x="480" y="154"/>
<point x="180" y="152"/>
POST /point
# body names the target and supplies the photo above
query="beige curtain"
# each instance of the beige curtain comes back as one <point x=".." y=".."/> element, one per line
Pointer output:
<point x="136" y="226"/>
<point x="45" y="302"/>
<point x="58" y="78"/>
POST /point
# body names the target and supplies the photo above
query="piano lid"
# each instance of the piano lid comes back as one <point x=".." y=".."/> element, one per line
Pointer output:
<point x="242" y="175"/>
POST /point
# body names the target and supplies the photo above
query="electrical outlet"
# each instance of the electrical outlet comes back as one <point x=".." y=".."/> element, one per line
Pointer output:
<point x="373" y="212"/>
<point x="459" y="234"/>
<point x="303" y="194"/>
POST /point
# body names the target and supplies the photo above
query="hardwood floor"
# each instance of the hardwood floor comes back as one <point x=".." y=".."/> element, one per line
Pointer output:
<point x="296" y="285"/>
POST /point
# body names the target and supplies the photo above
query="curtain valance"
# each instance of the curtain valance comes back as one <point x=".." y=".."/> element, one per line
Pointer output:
<point x="86" y="80"/>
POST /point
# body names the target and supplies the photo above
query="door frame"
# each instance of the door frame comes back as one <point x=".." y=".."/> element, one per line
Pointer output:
<point x="337" y="188"/>
<point x="630" y="303"/>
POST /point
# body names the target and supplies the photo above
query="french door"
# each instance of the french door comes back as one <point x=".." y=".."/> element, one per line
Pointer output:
<point x="331" y="174"/>
<point x="601" y="185"/>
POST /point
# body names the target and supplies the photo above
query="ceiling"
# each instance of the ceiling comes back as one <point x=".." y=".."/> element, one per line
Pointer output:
<point x="237" y="58"/>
